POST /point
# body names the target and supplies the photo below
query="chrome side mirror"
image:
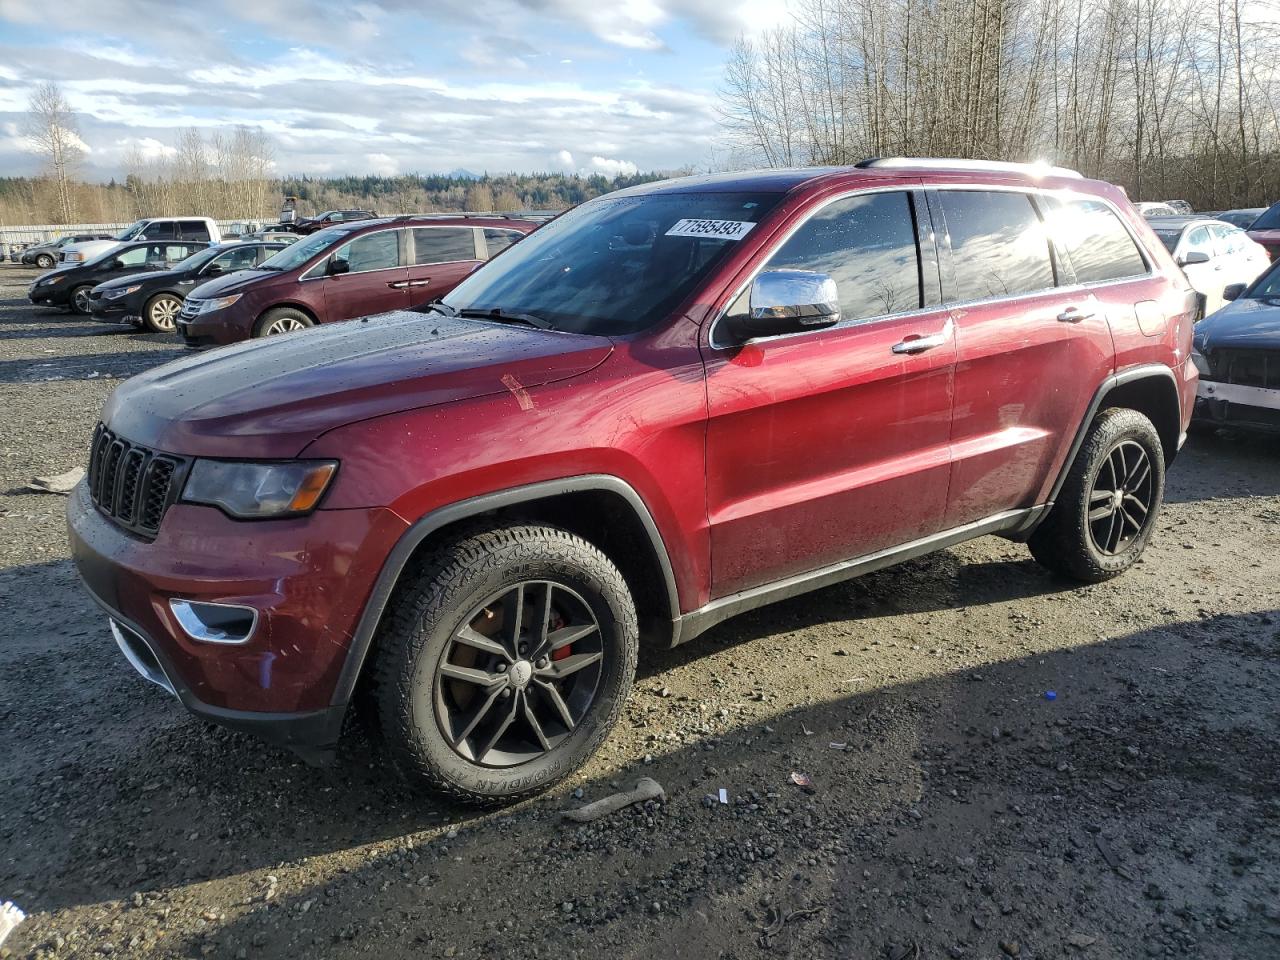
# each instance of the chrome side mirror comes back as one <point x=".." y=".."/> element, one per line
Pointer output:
<point x="786" y="301"/>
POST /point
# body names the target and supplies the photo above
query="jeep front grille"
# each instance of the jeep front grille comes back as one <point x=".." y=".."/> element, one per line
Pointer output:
<point x="131" y="484"/>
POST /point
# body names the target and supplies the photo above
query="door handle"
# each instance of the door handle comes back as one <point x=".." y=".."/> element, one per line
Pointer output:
<point x="1074" y="315"/>
<point x="398" y="285"/>
<point x="419" y="283"/>
<point x="920" y="344"/>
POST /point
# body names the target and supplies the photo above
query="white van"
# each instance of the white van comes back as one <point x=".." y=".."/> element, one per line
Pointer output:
<point x="154" y="228"/>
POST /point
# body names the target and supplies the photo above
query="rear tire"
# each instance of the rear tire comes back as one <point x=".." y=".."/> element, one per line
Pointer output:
<point x="281" y="320"/>
<point x="1108" y="505"/>
<point x="46" y="262"/>
<point x="449" y="672"/>
<point x="161" y="313"/>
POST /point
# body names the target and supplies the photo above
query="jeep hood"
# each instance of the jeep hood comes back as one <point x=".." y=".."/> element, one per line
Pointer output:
<point x="1245" y="323"/>
<point x="270" y="398"/>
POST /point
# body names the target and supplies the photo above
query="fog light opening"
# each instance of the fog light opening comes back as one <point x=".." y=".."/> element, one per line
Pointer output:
<point x="215" y="622"/>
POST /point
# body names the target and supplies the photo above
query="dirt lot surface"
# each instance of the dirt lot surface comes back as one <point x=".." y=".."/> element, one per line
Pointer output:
<point x="956" y="809"/>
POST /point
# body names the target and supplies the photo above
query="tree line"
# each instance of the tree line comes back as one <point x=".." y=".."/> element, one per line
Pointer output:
<point x="1173" y="99"/>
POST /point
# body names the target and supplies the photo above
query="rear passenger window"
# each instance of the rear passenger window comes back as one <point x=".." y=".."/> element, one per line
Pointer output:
<point x="1198" y="242"/>
<point x="193" y="230"/>
<point x="499" y="240"/>
<point x="443" y="244"/>
<point x="867" y="244"/>
<point x="998" y="243"/>
<point x="1096" y="242"/>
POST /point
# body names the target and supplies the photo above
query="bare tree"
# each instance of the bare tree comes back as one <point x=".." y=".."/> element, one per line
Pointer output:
<point x="51" y="126"/>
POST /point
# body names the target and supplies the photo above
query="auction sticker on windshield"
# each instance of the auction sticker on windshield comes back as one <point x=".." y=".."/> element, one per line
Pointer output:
<point x="722" y="229"/>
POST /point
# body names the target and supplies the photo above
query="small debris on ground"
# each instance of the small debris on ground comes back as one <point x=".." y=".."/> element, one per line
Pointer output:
<point x="61" y="483"/>
<point x="646" y="789"/>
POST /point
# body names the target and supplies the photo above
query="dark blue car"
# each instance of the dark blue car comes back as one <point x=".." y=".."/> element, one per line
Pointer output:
<point x="1237" y="351"/>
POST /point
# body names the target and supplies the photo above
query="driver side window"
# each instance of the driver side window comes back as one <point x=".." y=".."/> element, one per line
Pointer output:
<point x="241" y="259"/>
<point x="867" y="244"/>
<point x="132" y="258"/>
<point x="373" y="251"/>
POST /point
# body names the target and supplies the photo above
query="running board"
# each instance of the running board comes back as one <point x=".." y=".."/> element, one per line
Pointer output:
<point x="717" y="611"/>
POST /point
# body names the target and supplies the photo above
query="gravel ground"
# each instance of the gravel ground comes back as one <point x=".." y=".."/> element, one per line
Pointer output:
<point x="955" y="811"/>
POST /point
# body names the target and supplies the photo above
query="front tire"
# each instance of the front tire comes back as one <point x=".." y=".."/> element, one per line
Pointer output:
<point x="1108" y="505"/>
<point x="504" y="661"/>
<point x="46" y="262"/>
<point x="281" y="320"/>
<point x="161" y="313"/>
<point x="79" y="301"/>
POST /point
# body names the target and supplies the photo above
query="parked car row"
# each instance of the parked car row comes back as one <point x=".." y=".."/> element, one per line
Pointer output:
<point x="221" y="293"/>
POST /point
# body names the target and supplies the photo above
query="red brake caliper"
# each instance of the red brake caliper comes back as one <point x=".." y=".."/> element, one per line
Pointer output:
<point x="563" y="651"/>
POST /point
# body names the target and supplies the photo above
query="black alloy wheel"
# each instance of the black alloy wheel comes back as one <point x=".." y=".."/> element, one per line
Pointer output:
<point x="1120" y="498"/>
<point x="519" y="674"/>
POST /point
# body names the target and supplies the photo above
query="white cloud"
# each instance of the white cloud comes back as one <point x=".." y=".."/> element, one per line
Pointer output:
<point x="382" y="163"/>
<point x="564" y="160"/>
<point x="610" y="167"/>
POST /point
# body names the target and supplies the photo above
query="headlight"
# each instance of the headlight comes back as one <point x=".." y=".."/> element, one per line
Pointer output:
<point x="73" y="257"/>
<point x="218" y="303"/>
<point x="116" y="294"/>
<point x="1201" y="364"/>
<point x="258" y="490"/>
<point x="50" y="281"/>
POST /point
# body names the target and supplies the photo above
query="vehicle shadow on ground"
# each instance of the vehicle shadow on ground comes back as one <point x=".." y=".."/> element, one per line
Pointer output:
<point x="901" y="819"/>
<point x="939" y="581"/>
<point x="120" y="364"/>
<point x="912" y="789"/>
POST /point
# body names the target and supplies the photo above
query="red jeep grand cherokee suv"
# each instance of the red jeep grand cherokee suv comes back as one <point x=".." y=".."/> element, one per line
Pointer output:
<point x="671" y="404"/>
<point x="343" y="272"/>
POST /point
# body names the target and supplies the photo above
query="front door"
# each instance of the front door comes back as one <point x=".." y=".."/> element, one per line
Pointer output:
<point x="442" y="259"/>
<point x="834" y="444"/>
<point x="375" y="280"/>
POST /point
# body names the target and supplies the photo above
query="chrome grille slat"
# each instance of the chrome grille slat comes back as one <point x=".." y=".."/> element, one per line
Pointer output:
<point x="132" y="484"/>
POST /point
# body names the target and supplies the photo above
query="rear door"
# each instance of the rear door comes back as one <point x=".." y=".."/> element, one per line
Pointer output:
<point x="376" y="280"/>
<point x="833" y="444"/>
<point x="1030" y="355"/>
<point x="442" y="258"/>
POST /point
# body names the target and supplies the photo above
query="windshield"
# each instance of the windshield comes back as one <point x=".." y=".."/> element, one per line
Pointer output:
<point x="131" y="231"/>
<point x="614" y="266"/>
<point x="1266" y="287"/>
<point x="1269" y="220"/>
<point x="1169" y="238"/>
<point x="296" y="254"/>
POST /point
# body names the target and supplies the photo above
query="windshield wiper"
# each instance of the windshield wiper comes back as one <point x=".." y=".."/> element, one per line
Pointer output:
<point x="505" y="316"/>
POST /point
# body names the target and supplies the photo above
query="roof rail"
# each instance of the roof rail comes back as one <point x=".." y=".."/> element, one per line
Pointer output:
<point x="987" y="166"/>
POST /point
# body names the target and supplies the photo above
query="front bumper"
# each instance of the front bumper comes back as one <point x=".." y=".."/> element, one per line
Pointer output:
<point x="214" y="329"/>
<point x="1235" y="405"/>
<point x="309" y="579"/>
<point x="123" y="310"/>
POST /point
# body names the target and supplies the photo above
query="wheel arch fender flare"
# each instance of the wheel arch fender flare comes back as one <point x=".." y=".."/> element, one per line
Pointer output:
<point x="401" y="554"/>
<point x="1153" y="373"/>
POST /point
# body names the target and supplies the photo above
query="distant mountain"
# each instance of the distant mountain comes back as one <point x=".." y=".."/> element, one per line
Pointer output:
<point x="461" y="174"/>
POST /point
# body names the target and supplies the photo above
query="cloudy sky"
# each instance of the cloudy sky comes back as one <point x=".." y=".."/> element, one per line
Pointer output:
<point x="383" y="86"/>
